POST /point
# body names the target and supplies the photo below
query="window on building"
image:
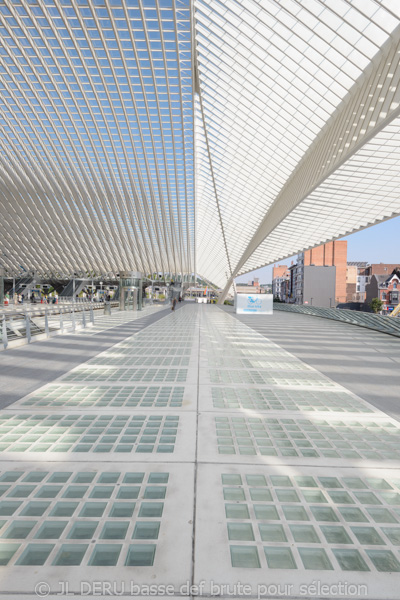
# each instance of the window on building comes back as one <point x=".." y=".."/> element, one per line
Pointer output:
<point x="395" y="285"/>
<point x="383" y="296"/>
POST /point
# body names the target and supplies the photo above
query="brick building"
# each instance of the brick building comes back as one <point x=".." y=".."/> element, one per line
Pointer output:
<point x="280" y="278"/>
<point x="386" y="288"/>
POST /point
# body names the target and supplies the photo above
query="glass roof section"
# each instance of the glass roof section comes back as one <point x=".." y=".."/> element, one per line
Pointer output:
<point x="96" y="142"/>
<point x="270" y="75"/>
<point x="182" y="136"/>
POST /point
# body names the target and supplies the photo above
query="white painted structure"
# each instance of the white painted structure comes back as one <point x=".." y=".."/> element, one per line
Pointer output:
<point x="210" y="137"/>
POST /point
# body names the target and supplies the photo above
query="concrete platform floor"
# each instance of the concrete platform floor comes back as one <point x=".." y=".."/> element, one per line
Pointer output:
<point x="365" y="362"/>
<point x="189" y="452"/>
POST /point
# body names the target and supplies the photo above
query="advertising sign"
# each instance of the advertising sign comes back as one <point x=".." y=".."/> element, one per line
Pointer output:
<point x="253" y="304"/>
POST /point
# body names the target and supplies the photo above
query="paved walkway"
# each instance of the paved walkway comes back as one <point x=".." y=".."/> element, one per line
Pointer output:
<point x="365" y="362"/>
<point x="197" y="452"/>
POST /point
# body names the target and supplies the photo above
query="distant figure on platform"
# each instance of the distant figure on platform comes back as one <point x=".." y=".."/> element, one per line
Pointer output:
<point x="180" y="298"/>
<point x="173" y="304"/>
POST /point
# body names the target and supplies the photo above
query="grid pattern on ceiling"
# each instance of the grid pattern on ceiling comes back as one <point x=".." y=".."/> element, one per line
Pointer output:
<point x="271" y="74"/>
<point x="360" y="193"/>
<point x="96" y="143"/>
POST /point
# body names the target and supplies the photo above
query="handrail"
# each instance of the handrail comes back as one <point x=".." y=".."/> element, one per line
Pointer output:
<point x="380" y="323"/>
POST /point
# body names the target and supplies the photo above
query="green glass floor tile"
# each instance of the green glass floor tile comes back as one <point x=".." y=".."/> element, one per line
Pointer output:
<point x="93" y="509"/>
<point x="8" y="508"/>
<point x="256" y="480"/>
<point x="330" y="482"/>
<point x="304" y="533"/>
<point x="151" y="509"/>
<point x="314" y="496"/>
<point x="154" y="492"/>
<point x="368" y="536"/>
<point x="83" y="478"/>
<point x="35" y="554"/>
<point x="264" y="513"/>
<point x="122" y="509"/>
<point x="233" y="493"/>
<point x="19" y="530"/>
<point x="51" y="530"/>
<point x="114" y="530"/>
<point x="272" y="533"/>
<point x="140" y="555"/>
<point x="134" y="478"/>
<point x="336" y="534"/>
<point x="245" y="557"/>
<point x="260" y="495"/>
<point x="83" y="530"/>
<point x="341" y="497"/>
<point x="127" y="492"/>
<point x="354" y="483"/>
<point x="315" y="559"/>
<point x="384" y="560"/>
<point x="280" y="481"/>
<point x="393" y="533"/>
<point x="287" y="495"/>
<point x="231" y="480"/>
<point x="64" y="509"/>
<point x="382" y="515"/>
<point x="70" y="555"/>
<point x="295" y="513"/>
<point x="101" y="492"/>
<point x="48" y="491"/>
<point x="34" y="509"/>
<point x="367" y="498"/>
<point x="350" y="560"/>
<point x="109" y="478"/>
<point x="148" y="530"/>
<point x="353" y="515"/>
<point x="279" y="558"/>
<point x="305" y="481"/>
<point x="35" y="477"/>
<point x="7" y="551"/>
<point x="237" y="511"/>
<point x="105" y="555"/>
<point x="21" y="491"/>
<point x="378" y="484"/>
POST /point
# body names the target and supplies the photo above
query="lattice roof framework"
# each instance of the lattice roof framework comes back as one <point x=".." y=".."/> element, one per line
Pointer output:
<point x="214" y="136"/>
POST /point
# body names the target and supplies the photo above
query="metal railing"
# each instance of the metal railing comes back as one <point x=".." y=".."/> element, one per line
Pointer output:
<point x="19" y="326"/>
<point x="380" y="323"/>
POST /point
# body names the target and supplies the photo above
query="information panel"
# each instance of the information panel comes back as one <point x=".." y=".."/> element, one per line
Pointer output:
<point x="254" y="304"/>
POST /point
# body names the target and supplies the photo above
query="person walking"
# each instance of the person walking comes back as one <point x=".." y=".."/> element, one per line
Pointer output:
<point x="173" y="304"/>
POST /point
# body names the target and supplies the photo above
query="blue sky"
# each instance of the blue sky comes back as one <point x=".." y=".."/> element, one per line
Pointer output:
<point x="380" y="243"/>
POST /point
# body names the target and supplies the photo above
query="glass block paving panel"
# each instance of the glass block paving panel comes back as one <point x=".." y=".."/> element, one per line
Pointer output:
<point x="111" y="374"/>
<point x="375" y="440"/>
<point x="309" y="379"/>
<point x="141" y="349"/>
<point x="293" y="400"/>
<point x="96" y="396"/>
<point x="112" y="516"/>
<point x="88" y="433"/>
<point x="143" y="361"/>
<point x="285" y="364"/>
<point x="312" y="522"/>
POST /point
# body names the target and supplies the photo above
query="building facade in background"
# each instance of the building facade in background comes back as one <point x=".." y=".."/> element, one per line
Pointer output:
<point x="386" y="288"/>
<point x="280" y="279"/>
<point x="318" y="277"/>
<point x="356" y="280"/>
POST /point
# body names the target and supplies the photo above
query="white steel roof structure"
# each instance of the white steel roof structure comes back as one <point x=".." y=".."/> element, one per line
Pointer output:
<point x="212" y="136"/>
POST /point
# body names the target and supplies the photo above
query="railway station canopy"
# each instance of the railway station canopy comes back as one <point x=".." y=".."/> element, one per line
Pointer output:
<point x="205" y="136"/>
